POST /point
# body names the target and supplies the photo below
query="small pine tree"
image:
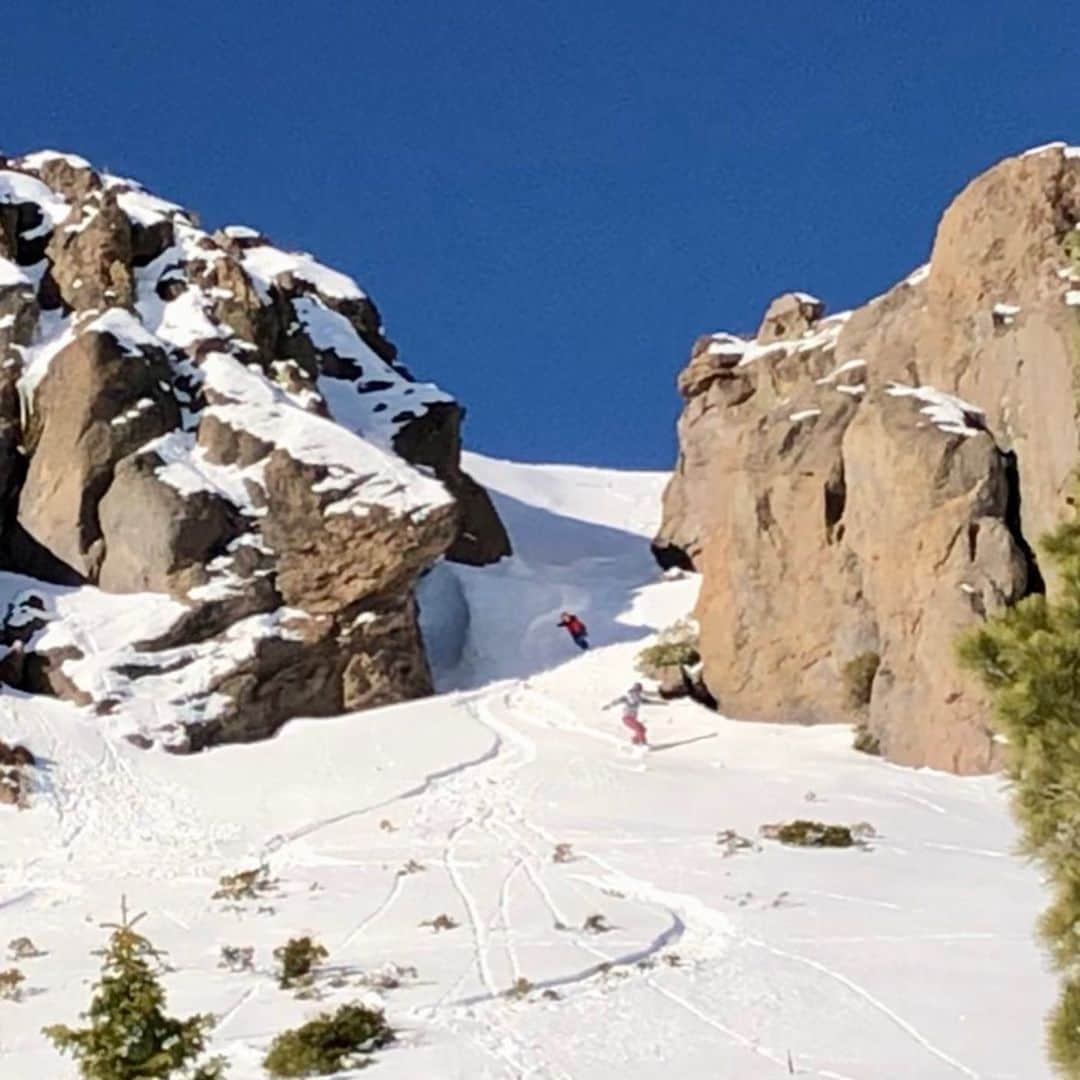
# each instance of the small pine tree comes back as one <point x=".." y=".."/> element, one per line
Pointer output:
<point x="129" y="1036"/>
<point x="1028" y="656"/>
<point x="296" y="959"/>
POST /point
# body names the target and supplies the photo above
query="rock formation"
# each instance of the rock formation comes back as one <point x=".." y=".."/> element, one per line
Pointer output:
<point x="221" y="427"/>
<point x="857" y="489"/>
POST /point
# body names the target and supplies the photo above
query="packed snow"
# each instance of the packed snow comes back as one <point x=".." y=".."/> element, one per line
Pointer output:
<point x="381" y="400"/>
<point x="17" y="188"/>
<point x="1065" y="148"/>
<point x="38" y="160"/>
<point x="187" y="469"/>
<point x="822" y="335"/>
<point x="146" y="209"/>
<point x="948" y="413"/>
<point x="842" y="369"/>
<point x="918" y="275"/>
<point x="365" y="475"/>
<point x="52" y="334"/>
<point x="512" y="804"/>
<point x="727" y="345"/>
<point x="55" y="331"/>
<point x="12" y="275"/>
<point x="264" y="264"/>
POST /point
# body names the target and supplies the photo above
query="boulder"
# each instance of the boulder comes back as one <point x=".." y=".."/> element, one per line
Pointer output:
<point x="91" y="257"/>
<point x="434" y="441"/>
<point x="327" y="561"/>
<point x="15" y="754"/>
<point x="152" y="532"/>
<point x="98" y="402"/>
<point x="481" y="536"/>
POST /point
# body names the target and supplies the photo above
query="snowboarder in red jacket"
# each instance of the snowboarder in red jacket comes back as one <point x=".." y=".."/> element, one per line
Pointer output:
<point x="575" y="628"/>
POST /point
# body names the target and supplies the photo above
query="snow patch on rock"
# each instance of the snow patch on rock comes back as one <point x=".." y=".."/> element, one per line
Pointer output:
<point x="950" y="414"/>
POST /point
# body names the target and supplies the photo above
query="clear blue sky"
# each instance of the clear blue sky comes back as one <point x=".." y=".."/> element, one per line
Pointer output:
<point x="549" y="201"/>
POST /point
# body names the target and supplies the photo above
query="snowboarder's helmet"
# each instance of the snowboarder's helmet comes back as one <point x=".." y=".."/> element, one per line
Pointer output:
<point x="636" y="686"/>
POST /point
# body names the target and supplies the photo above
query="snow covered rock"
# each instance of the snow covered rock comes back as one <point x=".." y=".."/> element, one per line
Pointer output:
<point x="873" y="482"/>
<point x="221" y="427"/>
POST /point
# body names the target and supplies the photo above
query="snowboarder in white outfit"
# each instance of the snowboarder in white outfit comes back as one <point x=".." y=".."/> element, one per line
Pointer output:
<point x="631" y="702"/>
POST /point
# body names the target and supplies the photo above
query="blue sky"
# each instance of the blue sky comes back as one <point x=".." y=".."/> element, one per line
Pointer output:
<point x="549" y="201"/>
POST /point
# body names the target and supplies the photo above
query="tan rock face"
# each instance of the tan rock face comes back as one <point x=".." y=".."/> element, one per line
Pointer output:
<point x="872" y="483"/>
<point x="329" y="562"/>
<point x="214" y="420"/>
<point x="92" y="265"/>
<point x="96" y="405"/>
<point x="434" y="440"/>
<point x="152" y="533"/>
<point x="790" y="317"/>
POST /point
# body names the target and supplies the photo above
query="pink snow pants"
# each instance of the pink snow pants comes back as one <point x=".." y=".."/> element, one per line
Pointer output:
<point x="637" y="727"/>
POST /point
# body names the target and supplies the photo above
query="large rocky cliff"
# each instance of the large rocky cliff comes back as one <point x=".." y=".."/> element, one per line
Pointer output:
<point x="857" y="489"/>
<point x="221" y="427"/>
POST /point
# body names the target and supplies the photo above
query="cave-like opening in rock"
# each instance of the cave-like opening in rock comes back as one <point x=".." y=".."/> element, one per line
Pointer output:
<point x="1013" y="521"/>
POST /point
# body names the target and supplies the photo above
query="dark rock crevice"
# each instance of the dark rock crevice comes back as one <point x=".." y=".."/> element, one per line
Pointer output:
<point x="835" y="500"/>
<point x="1014" y="523"/>
<point x="671" y="557"/>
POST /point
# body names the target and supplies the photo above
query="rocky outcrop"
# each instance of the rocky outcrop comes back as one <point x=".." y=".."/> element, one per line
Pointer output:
<point x="857" y="489"/>
<point x="222" y="428"/>
<point x="16" y="763"/>
<point x="434" y="440"/>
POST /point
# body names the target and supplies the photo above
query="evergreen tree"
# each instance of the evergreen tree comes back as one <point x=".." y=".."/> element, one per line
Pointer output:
<point x="1029" y="658"/>
<point x="129" y="1036"/>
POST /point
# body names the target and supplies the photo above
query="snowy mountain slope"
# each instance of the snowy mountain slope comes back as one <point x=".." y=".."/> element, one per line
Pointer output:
<point x="913" y="958"/>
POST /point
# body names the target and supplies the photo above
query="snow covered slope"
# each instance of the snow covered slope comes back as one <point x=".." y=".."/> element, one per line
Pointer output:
<point x="911" y="958"/>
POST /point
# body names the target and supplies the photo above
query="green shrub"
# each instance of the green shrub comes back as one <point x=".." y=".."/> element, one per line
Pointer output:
<point x="246" y="885"/>
<point x="675" y="646"/>
<point x="296" y="959"/>
<point x="858" y="675"/>
<point x="1028" y="657"/>
<point x="866" y="741"/>
<point x="129" y="1036"/>
<point x="11" y="984"/>
<point x="329" y="1043"/>
<point x="733" y="843"/>
<point x="802" y="833"/>
<point x="441" y="922"/>
<point x="22" y="948"/>
<point x="1070" y="245"/>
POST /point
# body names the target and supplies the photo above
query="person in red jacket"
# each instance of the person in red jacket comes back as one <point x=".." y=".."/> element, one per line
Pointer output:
<point x="575" y="628"/>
